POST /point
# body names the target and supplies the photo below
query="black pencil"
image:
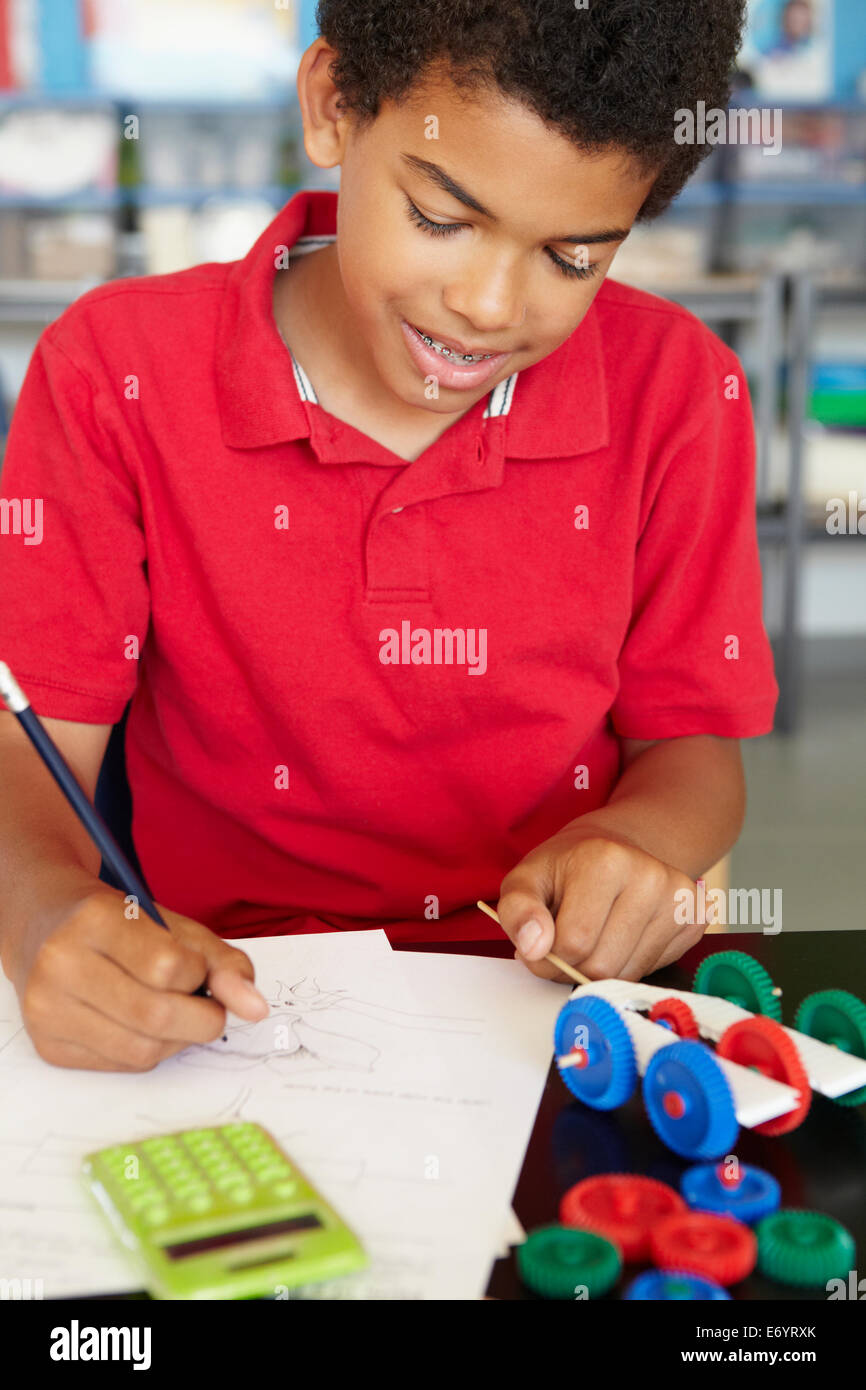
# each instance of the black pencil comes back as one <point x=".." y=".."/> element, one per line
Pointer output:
<point x="16" y="701"/>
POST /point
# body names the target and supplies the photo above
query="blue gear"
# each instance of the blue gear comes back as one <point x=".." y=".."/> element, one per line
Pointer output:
<point x="670" y="1284"/>
<point x="610" y="1076"/>
<point x="708" y="1125"/>
<point x="756" y="1195"/>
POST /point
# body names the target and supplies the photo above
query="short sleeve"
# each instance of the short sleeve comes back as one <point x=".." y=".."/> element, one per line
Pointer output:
<point x="696" y="658"/>
<point x="73" y="583"/>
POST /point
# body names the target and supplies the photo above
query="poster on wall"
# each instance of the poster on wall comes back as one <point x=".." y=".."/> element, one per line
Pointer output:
<point x="788" y="49"/>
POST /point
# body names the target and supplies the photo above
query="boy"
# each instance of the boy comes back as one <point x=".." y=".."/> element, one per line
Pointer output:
<point x="427" y="558"/>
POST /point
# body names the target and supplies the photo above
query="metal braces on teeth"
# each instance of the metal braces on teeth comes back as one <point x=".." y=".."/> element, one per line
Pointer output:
<point x="446" y="351"/>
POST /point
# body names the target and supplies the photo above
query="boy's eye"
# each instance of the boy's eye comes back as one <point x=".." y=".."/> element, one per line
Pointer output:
<point x="577" y="272"/>
<point x="434" y="228"/>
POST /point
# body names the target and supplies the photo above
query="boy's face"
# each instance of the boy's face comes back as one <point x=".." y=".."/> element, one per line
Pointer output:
<point x="465" y="220"/>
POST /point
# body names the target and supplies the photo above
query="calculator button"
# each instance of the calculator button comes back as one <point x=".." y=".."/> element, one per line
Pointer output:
<point x="198" y="1201"/>
<point x="284" y="1189"/>
<point x="228" y="1180"/>
<point x="240" y="1193"/>
<point x="177" y="1169"/>
<point x="223" y="1170"/>
<point x="184" y="1190"/>
<point x="140" y="1200"/>
<point x="155" y="1216"/>
<point x="273" y="1171"/>
<point x="153" y="1147"/>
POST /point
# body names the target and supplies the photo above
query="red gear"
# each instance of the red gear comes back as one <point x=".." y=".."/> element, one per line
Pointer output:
<point x="763" y="1043"/>
<point x="677" y="1013"/>
<point x="716" y="1247"/>
<point x="623" y="1207"/>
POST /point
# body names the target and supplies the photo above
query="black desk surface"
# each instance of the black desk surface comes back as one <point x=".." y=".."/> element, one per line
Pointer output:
<point x="821" y="1166"/>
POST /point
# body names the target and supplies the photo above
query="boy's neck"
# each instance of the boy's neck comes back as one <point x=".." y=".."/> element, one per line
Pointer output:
<point x="313" y="317"/>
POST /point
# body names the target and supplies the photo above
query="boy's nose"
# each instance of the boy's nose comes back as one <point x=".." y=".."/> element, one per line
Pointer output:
<point x="492" y="303"/>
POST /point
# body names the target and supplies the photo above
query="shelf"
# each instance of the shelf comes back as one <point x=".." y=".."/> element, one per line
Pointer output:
<point x="745" y="192"/>
<point x="141" y="196"/>
<point x="11" y="100"/>
<point x="749" y="100"/>
<point x="788" y="192"/>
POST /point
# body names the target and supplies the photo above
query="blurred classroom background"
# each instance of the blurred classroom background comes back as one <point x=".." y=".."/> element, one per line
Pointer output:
<point x="142" y="136"/>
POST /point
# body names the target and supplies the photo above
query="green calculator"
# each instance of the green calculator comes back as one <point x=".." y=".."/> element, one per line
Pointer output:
<point x="219" y="1213"/>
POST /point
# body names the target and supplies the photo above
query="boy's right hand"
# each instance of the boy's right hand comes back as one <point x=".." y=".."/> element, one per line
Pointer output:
<point x="103" y="992"/>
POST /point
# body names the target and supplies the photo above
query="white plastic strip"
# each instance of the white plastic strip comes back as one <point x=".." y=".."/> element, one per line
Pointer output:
<point x="831" y="1072"/>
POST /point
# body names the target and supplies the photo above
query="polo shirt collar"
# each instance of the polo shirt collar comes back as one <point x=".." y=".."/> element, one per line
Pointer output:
<point x="547" y="410"/>
<point x="258" y="399"/>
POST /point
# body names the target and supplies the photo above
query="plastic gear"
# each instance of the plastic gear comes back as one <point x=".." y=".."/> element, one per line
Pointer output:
<point x="677" y="1015"/>
<point x="750" y="1196"/>
<point x="689" y="1101"/>
<point x="836" y="1017"/>
<point x="621" y="1206"/>
<point x="763" y="1044"/>
<point x="804" y="1248"/>
<point x="714" y="1247"/>
<point x="738" y="977"/>
<point x="606" y="1073"/>
<point x="670" y="1284"/>
<point x="555" y="1261"/>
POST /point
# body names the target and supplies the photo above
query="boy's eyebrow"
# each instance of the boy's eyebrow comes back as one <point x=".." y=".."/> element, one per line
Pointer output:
<point x="447" y="184"/>
<point x="437" y="175"/>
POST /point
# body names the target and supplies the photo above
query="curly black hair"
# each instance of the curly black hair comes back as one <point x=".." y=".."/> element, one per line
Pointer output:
<point x="611" y="75"/>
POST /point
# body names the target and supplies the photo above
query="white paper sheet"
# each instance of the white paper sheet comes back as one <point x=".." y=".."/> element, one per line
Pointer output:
<point x="404" y="1084"/>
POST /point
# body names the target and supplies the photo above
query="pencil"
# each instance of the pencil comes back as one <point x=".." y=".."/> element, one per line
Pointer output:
<point x="16" y="701"/>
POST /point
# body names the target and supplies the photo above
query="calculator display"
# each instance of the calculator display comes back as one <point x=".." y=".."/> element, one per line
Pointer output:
<point x="242" y="1236"/>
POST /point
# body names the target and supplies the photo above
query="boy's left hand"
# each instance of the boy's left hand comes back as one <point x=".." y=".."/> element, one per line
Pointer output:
<point x="598" y="901"/>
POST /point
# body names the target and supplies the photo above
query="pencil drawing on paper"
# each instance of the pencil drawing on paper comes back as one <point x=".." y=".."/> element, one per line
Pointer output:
<point x="311" y="1029"/>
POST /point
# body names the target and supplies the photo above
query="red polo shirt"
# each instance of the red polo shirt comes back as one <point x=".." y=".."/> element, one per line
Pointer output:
<point x="362" y="689"/>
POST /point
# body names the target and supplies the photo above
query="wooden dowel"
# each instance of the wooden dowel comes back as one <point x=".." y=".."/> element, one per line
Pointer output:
<point x="571" y="1059"/>
<point x="560" y="965"/>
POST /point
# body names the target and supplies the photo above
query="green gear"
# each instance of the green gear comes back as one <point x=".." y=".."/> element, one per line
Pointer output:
<point x="740" y="979"/>
<point x="554" y="1260"/>
<point x="804" y="1248"/>
<point x="837" y="1017"/>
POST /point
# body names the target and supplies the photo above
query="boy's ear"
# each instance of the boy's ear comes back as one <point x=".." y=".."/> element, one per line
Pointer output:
<point x="324" y="122"/>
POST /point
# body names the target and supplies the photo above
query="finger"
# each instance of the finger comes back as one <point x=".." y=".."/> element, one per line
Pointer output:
<point x="523" y="909"/>
<point x="144" y="949"/>
<point x="119" y="1048"/>
<point x="106" y="987"/>
<point x="230" y="972"/>
<point x="660" y="949"/>
<point x="238" y="994"/>
<point x="587" y="903"/>
<point x="627" y="925"/>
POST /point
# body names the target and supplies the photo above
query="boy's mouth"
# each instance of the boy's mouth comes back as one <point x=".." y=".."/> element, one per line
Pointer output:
<point x="449" y="362"/>
<point x="450" y="350"/>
